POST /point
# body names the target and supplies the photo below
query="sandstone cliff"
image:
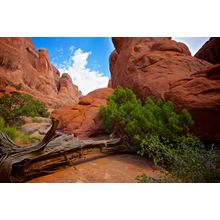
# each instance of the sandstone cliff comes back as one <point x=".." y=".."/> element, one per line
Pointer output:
<point x="21" y="65"/>
<point x="164" y="68"/>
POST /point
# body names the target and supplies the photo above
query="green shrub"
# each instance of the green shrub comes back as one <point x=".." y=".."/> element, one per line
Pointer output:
<point x="12" y="107"/>
<point x="129" y="118"/>
<point x="157" y="130"/>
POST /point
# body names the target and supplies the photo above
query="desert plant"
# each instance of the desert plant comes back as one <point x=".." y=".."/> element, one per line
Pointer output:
<point x="12" y="107"/>
<point x="126" y="116"/>
<point x="11" y="131"/>
<point x="158" y="131"/>
<point x="16" y="135"/>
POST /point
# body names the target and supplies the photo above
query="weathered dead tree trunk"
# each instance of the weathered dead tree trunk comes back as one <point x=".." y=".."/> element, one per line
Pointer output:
<point x="19" y="164"/>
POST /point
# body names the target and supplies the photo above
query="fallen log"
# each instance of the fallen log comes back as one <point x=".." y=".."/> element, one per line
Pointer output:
<point x="20" y="164"/>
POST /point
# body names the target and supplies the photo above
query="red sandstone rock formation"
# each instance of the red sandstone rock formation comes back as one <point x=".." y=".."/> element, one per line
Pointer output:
<point x="210" y="51"/>
<point x="149" y="65"/>
<point x="21" y="64"/>
<point x="163" y="68"/>
<point x="200" y="94"/>
<point x="83" y="119"/>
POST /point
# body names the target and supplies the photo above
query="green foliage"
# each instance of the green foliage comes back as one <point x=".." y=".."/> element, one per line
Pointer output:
<point x="164" y="151"/>
<point x="194" y="163"/>
<point x="186" y="158"/>
<point x="188" y="164"/>
<point x="157" y="130"/>
<point x="11" y="131"/>
<point x="143" y="178"/>
<point x="12" y="107"/>
<point x="16" y="135"/>
<point x="129" y="118"/>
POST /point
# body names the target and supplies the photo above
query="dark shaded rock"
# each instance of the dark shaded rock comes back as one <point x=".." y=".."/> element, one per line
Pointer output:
<point x="210" y="51"/>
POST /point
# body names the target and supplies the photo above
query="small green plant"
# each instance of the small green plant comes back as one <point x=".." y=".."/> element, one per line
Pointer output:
<point x="12" y="107"/>
<point x="158" y="131"/>
<point x="11" y="131"/>
<point x="16" y="135"/>
<point x="143" y="178"/>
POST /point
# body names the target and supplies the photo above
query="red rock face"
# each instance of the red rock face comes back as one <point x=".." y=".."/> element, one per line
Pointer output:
<point x="83" y="119"/>
<point x="21" y="64"/>
<point x="210" y="51"/>
<point x="67" y="90"/>
<point x="149" y="65"/>
<point x="200" y="94"/>
<point x="163" y="68"/>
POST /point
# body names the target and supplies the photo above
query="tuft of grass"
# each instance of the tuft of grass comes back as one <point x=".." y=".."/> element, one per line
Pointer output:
<point x="10" y="131"/>
<point x="16" y="135"/>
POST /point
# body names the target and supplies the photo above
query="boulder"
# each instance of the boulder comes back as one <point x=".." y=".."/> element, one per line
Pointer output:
<point x="83" y="119"/>
<point x="86" y="100"/>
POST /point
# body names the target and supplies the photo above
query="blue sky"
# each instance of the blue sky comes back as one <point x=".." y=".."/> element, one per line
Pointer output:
<point x="62" y="48"/>
<point x="193" y="43"/>
<point x="86" y="59"/>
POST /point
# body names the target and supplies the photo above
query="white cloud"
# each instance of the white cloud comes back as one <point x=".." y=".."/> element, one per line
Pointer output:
<point x="86" y="79"/>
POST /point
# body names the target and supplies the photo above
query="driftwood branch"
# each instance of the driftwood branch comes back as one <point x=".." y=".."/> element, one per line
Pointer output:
<point x="19" y="164"/>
